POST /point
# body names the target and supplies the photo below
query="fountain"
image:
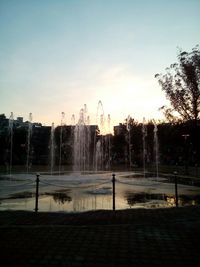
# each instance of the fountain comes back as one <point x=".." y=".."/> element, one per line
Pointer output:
<point x="98" y="156"/>
<point x="156" y="147"/>
<point x="132" y="189"/>
<point x="10" y="128"/>
<point x="144" y="135"/>
<point x="91" y="150"/>
<point x="52" y="148"/>
<point x="98" y="144"/>
<point x="129" y="139"/>
<point x="109" y="156"/>
<point x="29" y="133"/>
<point x="102" y="145"/>
<point x="61" y="137"/>
<point x="73" y="120"/>
<point x="82" y="142"/>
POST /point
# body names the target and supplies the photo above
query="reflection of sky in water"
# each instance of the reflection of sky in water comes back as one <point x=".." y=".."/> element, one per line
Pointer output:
<point x="95" y="192"/>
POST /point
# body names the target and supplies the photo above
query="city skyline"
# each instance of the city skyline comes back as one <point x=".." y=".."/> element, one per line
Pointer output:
<point x="57" y="56"/>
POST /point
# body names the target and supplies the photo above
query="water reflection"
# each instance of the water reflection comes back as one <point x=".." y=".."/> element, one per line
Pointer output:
<point x="60" y="197"/>
<point x="183" y="200"/>
<point x="189" y="200"/>
<point x="75" y="192"/>
<point x="133" y="198"/>
<point x="25" y="194"/>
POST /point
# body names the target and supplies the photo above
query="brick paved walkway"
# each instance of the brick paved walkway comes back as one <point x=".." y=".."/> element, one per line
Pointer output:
<point x="137" y="237"/>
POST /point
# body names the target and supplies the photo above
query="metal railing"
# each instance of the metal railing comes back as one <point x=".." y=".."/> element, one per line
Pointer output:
<point x="113" y="181"/>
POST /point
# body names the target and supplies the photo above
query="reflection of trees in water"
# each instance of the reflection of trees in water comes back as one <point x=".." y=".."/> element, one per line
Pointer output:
<point x="61" y="197"/>
<point x="191" y="200"/>
<point x="183" y="200"/>
<point x="23" y="195"/>
<point x="134" y="198"/>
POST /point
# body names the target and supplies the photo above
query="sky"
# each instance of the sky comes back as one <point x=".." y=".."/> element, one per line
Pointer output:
<point x="59" y="55"/>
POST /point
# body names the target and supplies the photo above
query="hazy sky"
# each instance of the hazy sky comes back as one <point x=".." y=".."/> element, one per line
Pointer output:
<point x="57" y="55"/>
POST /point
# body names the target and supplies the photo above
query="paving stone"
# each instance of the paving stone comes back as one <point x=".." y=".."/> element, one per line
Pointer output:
<point x="160" y="237"/>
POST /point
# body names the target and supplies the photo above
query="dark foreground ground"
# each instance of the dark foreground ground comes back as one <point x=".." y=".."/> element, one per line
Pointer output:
<point x="137" y="237"/>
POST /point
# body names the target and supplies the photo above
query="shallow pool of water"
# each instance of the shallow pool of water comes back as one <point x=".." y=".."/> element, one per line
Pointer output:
<point x="74" y="192"/>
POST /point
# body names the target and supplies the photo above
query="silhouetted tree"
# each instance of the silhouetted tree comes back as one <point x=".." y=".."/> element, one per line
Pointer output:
<point x="181" y="83"/>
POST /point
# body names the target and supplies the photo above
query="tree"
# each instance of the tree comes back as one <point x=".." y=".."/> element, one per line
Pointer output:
<point x="181" y="84"/>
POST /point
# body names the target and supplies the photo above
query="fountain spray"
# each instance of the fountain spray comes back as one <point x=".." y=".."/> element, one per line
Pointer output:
<point x="10" y="127"/>
<point x="28" y="142"/>
<point x="144" y="134"/>
<point x="60" y="150"/>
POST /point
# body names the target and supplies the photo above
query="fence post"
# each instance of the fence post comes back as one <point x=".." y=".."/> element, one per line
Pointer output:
<point x="176" y="188"/>
<point x="37" y="192"/>
<point x="113" y="181"/>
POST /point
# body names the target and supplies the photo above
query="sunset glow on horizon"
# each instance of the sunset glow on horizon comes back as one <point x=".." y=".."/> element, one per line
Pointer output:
<point x="57" y="56"/>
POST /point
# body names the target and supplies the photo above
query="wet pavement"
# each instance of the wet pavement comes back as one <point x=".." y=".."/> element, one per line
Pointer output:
<point x="134" y="237"/>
